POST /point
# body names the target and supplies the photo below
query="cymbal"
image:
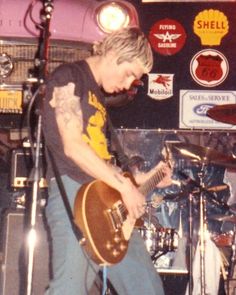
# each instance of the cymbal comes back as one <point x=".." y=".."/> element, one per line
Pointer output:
<point x="221" y="217"/>
<point x="216" y="188"/>
<point x="232" y="207"/>
<point x="223" y="113"/>
<point x="178" y="196"/>
<point x="202" y="154"/>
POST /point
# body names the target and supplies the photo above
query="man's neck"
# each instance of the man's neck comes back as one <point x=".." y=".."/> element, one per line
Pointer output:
<point x="94" y="63"/>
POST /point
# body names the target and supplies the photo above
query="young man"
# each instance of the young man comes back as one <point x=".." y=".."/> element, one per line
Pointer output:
<point x="74" y="123"/>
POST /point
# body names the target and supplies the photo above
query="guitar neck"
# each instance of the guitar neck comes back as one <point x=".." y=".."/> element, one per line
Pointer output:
<point x="145" y="188"/>
<point x="151" y="183"/>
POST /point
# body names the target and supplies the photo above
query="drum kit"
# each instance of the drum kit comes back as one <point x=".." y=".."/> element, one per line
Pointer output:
<point x="162" y="240"/>
<point x="158" y="239"/>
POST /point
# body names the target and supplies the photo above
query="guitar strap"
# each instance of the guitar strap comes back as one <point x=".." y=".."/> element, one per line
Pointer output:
<point x="122" y="157"/>
<point x="78" y="233"/>
<point x="75" y="228"/>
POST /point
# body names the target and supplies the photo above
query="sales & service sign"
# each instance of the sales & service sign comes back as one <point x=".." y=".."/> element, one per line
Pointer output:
<point x="194" y="105"/>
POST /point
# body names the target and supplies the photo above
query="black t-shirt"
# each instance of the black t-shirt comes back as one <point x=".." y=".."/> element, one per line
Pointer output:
<point x="94" y="117"/>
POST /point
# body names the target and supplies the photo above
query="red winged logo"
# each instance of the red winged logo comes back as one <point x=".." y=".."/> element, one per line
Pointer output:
<point x="163" y="80"/>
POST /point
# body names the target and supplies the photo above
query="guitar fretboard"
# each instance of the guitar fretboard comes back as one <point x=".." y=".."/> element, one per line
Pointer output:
<point x="145" y="188"/>
<point x="150" y="184"/>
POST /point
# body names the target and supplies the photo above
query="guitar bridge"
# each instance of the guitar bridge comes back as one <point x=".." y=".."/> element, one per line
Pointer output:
<point x="117" y="215"/>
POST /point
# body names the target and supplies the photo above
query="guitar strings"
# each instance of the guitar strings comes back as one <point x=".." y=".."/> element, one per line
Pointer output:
<point x="150" y="185"/>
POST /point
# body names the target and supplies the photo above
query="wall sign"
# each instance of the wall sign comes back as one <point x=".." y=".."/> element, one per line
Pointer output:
<point x="209" y="67"/>
<point x="194" y="105"/>
<point x="211" y="26"/>
<point x="167" y="36"/>
<point x="160" y="86"/>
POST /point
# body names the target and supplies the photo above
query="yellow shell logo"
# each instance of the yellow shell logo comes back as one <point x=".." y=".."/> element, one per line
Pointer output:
<point x="211" y="26"/>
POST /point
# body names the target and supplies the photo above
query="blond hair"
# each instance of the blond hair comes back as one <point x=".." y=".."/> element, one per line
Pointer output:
<point x="129" y="44"/>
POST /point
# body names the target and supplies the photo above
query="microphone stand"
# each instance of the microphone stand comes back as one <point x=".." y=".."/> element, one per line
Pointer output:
<point x="202" y="230"/>
<point x="233" y="255"/>
<point x="43" y="58"/>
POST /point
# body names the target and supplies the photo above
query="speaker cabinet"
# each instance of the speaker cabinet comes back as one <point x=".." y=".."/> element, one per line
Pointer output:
<point x="14" y="257"/>
<point x="22" y="165"/>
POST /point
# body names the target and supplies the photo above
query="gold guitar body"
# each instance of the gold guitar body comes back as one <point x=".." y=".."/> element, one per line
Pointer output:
<point x="100" y="214"/>
<point x="102" y="217"/>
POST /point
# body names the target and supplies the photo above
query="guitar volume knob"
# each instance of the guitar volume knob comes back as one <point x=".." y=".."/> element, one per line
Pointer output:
<point x="115" y="253"/>
<point x="122" y="246"/>
<point x="117" y="239"/>
<point x="109" y="245"/>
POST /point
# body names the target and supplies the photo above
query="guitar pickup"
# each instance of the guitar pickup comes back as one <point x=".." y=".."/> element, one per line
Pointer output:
<point x="116" y="215"/>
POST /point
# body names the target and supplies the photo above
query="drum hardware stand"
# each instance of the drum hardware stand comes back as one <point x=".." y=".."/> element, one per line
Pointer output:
<point x="149" y="214"/>
<point x="190" y="185"/>
<point x="233" y="260"/>
<point x="203" y="155"/>
<point x="233" y="256"/>
<point x="190" y="199"/>
<point x="155" y="256"/>
<point x="48" y="8"/>
<point x="202" y="231"/>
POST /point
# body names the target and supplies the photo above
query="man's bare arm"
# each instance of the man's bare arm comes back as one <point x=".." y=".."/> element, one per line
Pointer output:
<point x="70" y="123"/>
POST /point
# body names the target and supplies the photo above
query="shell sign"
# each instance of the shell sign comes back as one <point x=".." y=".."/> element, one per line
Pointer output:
<point x="211" y="26"/>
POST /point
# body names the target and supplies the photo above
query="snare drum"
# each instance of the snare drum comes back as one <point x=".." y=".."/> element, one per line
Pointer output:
<point x="149" y="235"/>
<point x="167" y="239"/>
<point x="159" y="239"/>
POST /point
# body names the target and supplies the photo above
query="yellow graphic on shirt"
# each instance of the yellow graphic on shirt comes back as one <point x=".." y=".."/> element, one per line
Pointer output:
<point x="95" y="136"/>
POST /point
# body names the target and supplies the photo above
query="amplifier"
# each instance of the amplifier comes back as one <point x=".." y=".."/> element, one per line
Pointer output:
<point x="22" y="166"/>
<point x="13" y="257"/>
<point x="13" y="102"/>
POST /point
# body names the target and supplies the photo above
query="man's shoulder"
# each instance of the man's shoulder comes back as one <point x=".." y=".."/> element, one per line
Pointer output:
<point x="65" y="73"/>
<point x="77" y="65"/>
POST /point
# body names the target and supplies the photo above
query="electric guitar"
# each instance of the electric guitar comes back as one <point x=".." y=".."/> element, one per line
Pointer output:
<point x="100" y="214"/>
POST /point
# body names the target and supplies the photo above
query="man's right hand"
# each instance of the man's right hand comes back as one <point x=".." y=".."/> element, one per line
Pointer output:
<point x="133" y="199"/>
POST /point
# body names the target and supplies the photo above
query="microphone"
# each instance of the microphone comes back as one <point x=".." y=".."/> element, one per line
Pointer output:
<point x="187" y="180"/>
<point x="195" y="187"/>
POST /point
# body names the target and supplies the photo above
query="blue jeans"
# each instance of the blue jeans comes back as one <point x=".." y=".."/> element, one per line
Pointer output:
<point x="74" y="275"/>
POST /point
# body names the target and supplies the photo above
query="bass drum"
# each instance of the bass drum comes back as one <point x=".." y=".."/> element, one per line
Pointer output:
<point x="159" y="239"/>
<point x="223" y="239"/>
